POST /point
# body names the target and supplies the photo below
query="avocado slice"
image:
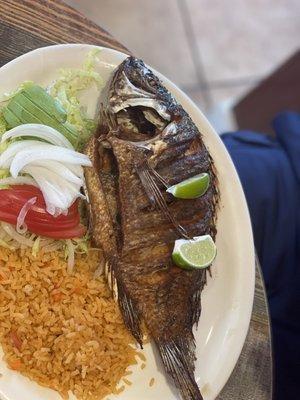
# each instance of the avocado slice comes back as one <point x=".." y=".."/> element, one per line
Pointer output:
<point x="27" y="112"/>
<point x="22" y="113"/>
<point x="11" y="119"/>
<point x="43" y="100"/>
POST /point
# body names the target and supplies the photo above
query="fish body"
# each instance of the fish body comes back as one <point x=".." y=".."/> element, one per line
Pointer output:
<point x="144" y="143"/>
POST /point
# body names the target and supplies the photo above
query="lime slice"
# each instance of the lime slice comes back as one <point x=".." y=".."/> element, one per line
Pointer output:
<point x="197" y="253"/>
<point x="190" y="188"/>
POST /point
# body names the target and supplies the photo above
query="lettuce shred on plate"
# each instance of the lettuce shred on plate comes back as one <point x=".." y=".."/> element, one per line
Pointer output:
<point x="67" y="88"/>
<point x="4" y="173"/>
<point x="3" y="126"/>
<point x="12" y="240"/>
<point x="3" y="129"/>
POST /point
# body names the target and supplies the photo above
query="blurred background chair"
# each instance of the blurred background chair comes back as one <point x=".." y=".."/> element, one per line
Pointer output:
<point x="278" y="92"/>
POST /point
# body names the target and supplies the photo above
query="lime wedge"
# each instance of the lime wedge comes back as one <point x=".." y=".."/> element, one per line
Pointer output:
<point x="197" y="253"/>
<point x="190" y="188"/>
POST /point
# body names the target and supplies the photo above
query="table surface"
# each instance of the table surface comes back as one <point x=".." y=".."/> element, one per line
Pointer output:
<point x="28" y="24"/>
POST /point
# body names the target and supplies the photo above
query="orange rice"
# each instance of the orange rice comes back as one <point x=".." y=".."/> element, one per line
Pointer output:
<point x="63" y="331"/>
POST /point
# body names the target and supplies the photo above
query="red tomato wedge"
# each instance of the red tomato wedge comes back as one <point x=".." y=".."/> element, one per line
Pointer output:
<point x="71" y="233"/>
<point x="37" y="219"/>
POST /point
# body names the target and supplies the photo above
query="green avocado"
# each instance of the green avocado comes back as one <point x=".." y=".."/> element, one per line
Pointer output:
<point x="23" y="110"/>
<point x="43" y="100"/>
<point x="11" y="118"/>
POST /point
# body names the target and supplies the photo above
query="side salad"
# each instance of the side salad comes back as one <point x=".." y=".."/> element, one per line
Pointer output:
<point x="42" y="133"/>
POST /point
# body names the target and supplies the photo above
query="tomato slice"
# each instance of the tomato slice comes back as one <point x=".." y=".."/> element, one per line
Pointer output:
<point x="37" y="219"/>
<point x="7" y="217"/>
<point x="17" y="197"/>
<point x="71" y="233"/>
<point x="44" y="224"/>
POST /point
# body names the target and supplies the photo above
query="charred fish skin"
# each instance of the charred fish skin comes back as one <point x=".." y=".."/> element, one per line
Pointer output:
<point x="147" y="141"/>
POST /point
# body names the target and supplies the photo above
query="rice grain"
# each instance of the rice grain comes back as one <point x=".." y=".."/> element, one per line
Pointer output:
<point x="78" y="341"/>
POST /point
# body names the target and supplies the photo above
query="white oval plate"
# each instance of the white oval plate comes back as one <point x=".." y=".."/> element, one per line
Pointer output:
<point x="228" y="297"/>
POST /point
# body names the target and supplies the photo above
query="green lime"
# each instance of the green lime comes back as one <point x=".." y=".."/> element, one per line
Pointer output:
<point x="191" y="188"/>
<point x="197" y="253"/>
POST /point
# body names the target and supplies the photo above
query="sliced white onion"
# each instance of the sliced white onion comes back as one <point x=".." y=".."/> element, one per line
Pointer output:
<point x="56" y="170"/>
<point x="51" y="209"/>
<point x="53" y="197"/>
<point x="76" y="169"/>
<point x="21" y="226"/>
<point x="16" y="236"/>
<point x="71" y="256"/>
<point x="61" y="170"/>
<point x="22" y="229"/>
<point x="59" y="211"/>
<point x="40" y="131"/>
<point x="67" y="191"/>
<point x="73" y="189"/>
<point x="19" y="180"/>
<point x="7" y="156"/>
<point x="46" y="152"/>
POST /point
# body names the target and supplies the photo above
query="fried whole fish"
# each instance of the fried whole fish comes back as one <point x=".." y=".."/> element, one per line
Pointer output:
<point x="144" y="143"/>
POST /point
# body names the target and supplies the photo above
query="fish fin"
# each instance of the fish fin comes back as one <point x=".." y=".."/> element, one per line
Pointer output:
<point x="130" y="315"/>
<point x="196" y="299"/>
<point x="196" y="306"/>
<point x="110" y="277"/>
<point x="159" y="177"/>
<point x="128" y="310"/>
<point x="155" y="196"/>
<point x="178" y="358"/>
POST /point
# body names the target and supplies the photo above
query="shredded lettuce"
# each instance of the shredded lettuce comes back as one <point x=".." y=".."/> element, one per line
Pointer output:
<point x="3" y="126"/>
<point x="4" y="173"/>
<point x="38" y="243"/>
<point x="3" y="147"/>
<point x="80" y="245"/>
<point x="67" y="88"/>
<point x="36" y="246"/>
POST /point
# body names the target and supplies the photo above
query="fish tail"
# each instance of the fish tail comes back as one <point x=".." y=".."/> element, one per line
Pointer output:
<point x="178" y="358"/>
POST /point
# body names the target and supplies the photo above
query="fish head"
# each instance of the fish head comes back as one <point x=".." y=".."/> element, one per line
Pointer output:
<point x="141" y="107"/>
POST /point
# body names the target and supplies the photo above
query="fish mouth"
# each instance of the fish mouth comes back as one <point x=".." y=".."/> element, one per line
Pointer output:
<point x="132" y="99"/>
